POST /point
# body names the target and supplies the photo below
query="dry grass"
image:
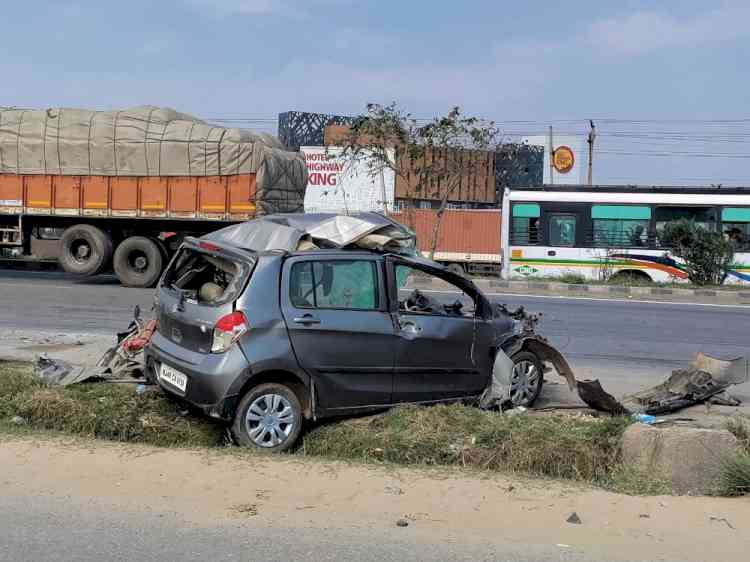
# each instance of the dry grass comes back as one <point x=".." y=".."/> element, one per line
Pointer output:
<point x="556" y="446"/>
<point x="106" y="411"/>
<point x="560" y="446"/>
<point x="735" y="474"/>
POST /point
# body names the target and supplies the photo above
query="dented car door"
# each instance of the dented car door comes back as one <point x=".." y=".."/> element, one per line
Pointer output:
<point x="440" y="355"/>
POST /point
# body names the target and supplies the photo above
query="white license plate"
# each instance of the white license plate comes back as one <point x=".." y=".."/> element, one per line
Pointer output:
<point x="173" y="377"/>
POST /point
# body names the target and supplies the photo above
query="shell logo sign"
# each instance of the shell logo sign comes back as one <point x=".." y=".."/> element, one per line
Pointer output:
<point x="563" y="159"/>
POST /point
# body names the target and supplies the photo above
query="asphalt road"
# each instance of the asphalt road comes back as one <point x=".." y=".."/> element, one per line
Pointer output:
<point x="627" y="343"/>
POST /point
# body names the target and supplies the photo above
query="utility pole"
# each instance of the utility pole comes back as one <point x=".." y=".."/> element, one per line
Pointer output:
<point x="591" y="139"/>
<point x="551" y="158"/>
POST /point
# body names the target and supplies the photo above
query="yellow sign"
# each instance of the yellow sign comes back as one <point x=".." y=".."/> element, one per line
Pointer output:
<point x="563" y="159"/>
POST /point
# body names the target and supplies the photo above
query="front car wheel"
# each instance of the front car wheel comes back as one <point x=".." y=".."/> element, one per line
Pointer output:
<point x="526" y="380"/>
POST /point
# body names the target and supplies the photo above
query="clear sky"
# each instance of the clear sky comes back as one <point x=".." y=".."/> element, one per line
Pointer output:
<point x="666" y="82"/>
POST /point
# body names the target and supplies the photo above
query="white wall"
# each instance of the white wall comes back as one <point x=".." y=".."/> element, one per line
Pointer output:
<point x="579" y="173"/>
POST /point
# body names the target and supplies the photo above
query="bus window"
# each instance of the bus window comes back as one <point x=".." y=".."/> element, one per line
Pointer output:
<point x="703" y="216"/>
<point x="524" y="228"/>
<point x="620" y="225"/>
<point x="735" y="224"/>
<point x="562" y="230"/>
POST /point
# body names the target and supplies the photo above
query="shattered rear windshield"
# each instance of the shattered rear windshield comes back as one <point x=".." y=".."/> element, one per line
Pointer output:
<point x="205" y="278"/>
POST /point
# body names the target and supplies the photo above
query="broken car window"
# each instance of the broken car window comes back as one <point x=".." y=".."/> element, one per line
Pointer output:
<point x="443" y="298"/>
<point x="205" y="278"/>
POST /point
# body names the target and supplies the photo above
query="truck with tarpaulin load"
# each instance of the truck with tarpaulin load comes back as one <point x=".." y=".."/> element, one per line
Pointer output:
<point x="120" y="190"/>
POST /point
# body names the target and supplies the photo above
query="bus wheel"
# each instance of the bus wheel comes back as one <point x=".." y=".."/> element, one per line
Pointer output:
<point x="85" y="250"/>
<point x="138" y="262"/>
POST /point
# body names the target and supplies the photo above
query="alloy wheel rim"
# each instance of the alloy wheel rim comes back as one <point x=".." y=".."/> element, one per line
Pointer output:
<point x="524" y="382"/>
<point x="270" y="420"/>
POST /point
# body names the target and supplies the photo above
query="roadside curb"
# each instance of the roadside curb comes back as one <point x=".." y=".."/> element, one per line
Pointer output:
<point x="622" y="292"/>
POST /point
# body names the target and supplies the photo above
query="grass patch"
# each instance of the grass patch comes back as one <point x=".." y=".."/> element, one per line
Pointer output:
<point x="741" y="430"/>
<point x="106" y="411"/>
<point x="556" y="446"/>
<point x="735" y="475"/>
<point x="560" y="446"/>
<point x="637" y="482"/>
<point x="572" y="279"/>
<point x="735" y="472"/>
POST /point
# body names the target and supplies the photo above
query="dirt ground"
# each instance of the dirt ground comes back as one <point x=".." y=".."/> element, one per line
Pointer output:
<point x="200" y="487"/>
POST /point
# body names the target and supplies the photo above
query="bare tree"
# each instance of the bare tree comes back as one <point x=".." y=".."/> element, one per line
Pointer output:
<point x="432" y="159"/>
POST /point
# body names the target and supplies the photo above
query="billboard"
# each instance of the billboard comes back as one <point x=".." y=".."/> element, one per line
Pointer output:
<point x="339" y="185"/>
<point x="569" y="161"/>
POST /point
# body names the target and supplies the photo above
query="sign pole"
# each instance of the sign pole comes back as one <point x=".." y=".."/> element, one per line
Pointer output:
<point x="551" y="158"/>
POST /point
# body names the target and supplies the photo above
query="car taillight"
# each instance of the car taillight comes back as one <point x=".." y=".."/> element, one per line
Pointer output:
<point x="228" y="330"/>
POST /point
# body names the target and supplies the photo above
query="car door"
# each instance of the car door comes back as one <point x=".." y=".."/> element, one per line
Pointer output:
<point x="439" y="355"/>
<point x="341" y="331"/>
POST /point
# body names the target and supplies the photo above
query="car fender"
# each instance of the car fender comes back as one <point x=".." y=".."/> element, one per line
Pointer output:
<point x="540" y="347"/>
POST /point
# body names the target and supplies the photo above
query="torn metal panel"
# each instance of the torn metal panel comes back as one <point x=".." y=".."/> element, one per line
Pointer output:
<point x="497" y="393"/>
<point x="294" y="232"/>
<point x="594" y="396"/>
<point x="704" y="378"/>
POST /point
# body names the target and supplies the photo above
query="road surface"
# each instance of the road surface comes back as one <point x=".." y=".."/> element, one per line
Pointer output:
<point x="624" y="343"/>
<point x="92" y="501"/>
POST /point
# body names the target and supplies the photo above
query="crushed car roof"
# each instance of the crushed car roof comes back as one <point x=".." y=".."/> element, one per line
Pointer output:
<point x="298" y="232"/>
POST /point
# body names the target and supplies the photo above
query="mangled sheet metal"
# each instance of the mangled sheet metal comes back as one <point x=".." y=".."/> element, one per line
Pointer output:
<point x="121" y="362"/>
<point x="498" y="393"/>
<point x="299" y="232"/>
<point x="704" y="378"/>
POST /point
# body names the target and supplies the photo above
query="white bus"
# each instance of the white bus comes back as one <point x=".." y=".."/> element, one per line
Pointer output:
<point x="610" y="233"/>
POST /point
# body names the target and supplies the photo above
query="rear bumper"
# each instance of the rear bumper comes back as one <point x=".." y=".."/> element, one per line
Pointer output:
<point x="209" y="376"/>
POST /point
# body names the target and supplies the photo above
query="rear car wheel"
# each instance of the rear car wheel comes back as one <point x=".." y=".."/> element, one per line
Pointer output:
<point x="138" y="262"/>
<point x="268" y="417"/>
<point x="85" y="250"/>
<point x="527" y="379"/>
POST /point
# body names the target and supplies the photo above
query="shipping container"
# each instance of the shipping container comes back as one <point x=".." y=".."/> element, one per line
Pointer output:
<point x="468" y="240"/>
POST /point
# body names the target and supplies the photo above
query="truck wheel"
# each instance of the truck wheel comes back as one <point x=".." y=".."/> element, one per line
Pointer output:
<point x="85" y="250"/>
<point x="268" y="417"/>
<point x="162" y="248"/>
<point x="527" y="379"/>
<point x="457" y="269"/>
<point x="138" y="262"/>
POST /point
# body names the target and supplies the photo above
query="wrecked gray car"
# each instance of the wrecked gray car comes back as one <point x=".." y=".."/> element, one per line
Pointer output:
<point x="294" y="317"/>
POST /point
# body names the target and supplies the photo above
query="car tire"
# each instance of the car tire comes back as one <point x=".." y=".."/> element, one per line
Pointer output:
<point x="526" y="380"/>
<point x="85" y="250"/>
<point x="265" y="403"/>
<point x="138" y="262"/>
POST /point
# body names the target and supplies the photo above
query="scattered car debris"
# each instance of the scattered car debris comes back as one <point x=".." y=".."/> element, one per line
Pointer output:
<point x="594" y="396"/>
<point x="704" y="378"/>
<point x="722" y="520"/>
<point x="121" y="363"/>
<point x="573" y="519"/>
